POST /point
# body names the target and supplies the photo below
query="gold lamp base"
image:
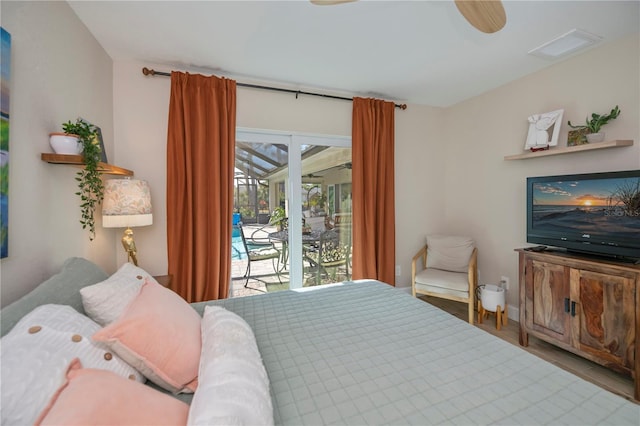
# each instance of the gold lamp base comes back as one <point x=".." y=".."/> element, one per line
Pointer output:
<point x="130" y="246"/>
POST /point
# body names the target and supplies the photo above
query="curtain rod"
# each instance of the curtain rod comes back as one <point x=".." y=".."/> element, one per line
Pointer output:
<point x="147" y="71"/>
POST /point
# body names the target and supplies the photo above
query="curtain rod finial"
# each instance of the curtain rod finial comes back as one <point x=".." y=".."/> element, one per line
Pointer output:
<point x="147" y="71"/>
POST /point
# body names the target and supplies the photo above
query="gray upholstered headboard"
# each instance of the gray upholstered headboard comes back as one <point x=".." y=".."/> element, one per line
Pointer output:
<point x="62" y="289"/>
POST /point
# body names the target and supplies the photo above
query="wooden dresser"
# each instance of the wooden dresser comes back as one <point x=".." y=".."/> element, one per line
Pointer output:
<point x="585" y="305"/>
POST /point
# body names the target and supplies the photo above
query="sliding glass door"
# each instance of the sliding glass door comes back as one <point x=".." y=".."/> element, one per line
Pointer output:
<point x="326" y="215"/>
<point x="293" y="196"/>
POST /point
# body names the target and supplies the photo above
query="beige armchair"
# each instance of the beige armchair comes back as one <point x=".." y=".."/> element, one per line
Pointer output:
<point x="448" y="270"/>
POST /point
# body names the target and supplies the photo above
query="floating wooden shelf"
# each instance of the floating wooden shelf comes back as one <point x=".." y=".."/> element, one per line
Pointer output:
<point x="77" y="160"/>
<point x="571" y="149"/>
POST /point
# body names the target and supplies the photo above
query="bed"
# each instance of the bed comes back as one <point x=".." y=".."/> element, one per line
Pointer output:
<point x="366" y="353"/>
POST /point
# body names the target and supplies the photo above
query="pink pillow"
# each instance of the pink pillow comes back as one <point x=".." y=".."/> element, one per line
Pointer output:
<point x="159" y="335"/>
<point x="91" y="396"/>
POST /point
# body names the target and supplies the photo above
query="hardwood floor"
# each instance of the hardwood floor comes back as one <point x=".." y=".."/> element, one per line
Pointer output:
<point x="610" y="380"/>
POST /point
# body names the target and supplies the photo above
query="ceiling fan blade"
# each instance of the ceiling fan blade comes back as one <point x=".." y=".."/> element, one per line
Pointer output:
<point x="486" y="15"/>
<point x="329" y="2"/>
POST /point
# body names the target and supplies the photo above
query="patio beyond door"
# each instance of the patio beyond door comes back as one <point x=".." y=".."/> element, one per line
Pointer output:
<point x="292" y="195"/>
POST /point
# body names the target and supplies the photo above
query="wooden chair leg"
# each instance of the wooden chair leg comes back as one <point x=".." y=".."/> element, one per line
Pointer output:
<point x="471" y="312"/>
<point x="505" y="316"/>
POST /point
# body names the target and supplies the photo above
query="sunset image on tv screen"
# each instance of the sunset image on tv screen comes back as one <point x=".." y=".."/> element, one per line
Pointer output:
<point x="589" y="206"/>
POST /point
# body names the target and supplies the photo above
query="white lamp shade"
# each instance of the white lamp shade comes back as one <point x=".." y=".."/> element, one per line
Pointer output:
<point x="127" y="203"/>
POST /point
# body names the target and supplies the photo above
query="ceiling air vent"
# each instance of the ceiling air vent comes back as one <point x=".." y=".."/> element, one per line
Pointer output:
<point x="566" y="44"/>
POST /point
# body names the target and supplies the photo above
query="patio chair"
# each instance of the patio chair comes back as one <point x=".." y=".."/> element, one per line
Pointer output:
<point x="261" y="234"/>
<point x="449" y="270"/>
<point x="259" y="251"/>
<point x="332" y="251"/>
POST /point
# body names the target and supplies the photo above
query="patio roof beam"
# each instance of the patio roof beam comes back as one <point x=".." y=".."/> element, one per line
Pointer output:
<point x="246" y="148"/>
<point x="313" y="151"/>
<point x="249" y="172"/>
<point x="306" y="154"/>
<point x="250" y="164"/>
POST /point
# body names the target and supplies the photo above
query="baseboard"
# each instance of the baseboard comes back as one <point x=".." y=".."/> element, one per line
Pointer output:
<point x="405" y="289"/>
<point x="513" y="314"/>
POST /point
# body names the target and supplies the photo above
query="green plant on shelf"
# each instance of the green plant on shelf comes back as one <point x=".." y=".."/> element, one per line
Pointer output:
<point x="91" y="187"/>
<point x="597" y="121"/>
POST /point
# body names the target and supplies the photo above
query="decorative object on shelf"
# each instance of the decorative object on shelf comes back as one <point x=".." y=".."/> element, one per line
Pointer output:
<point x="103" y="152"/>
<point x="89" y="179"/>
<point x="596" y="122"/>
<point x="595" y="137"/>
<point x="127" y="203"/>
<point x="64" y="143"/>
<point x="577" y="137"/>
<point x="543" y="130"/>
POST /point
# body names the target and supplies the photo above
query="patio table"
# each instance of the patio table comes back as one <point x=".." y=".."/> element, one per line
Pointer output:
<point x="308" y="238"/>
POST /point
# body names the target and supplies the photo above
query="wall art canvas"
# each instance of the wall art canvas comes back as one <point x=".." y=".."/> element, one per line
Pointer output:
<point x="5" y="68"/>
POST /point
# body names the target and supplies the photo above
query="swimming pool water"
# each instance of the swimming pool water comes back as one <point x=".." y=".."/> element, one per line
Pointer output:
<point x="237" y="248"/>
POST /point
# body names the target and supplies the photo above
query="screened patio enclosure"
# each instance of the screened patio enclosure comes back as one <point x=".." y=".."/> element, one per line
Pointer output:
<point x="261" y="171"/>
<point x="311" y="183"/>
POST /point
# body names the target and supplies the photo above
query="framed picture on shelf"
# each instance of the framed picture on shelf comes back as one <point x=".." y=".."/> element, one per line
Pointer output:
<point x="577" y="137"/>
<point x="544" y="130"/>
<point x="100" y="140"/>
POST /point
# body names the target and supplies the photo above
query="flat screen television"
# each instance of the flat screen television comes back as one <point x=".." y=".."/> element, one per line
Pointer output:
<point x="593" y="213"/>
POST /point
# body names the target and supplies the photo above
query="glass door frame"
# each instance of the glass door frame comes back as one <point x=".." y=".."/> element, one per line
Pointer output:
<point x="295" y="141"/>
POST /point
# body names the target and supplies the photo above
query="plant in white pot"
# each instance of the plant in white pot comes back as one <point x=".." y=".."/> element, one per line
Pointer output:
<point x="595" y="124"/>
<point x="65" y="143"/>
<point x="89" y="179"/>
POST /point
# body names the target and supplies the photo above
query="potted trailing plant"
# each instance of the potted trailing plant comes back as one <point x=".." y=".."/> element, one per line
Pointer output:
<point x="278" y="218"/>
<point x="64" y="143"/>
<point x="596" y="122"/>
<point x="89" y="179"/>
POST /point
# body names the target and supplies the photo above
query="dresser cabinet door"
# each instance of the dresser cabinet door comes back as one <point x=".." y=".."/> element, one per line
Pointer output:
<point x="605" y="319"/>
<point x="547" y="300"/>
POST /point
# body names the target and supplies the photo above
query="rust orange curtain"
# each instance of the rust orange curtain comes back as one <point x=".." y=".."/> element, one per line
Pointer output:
<point x="372" y="146"/>
<point x="200" y="163"/>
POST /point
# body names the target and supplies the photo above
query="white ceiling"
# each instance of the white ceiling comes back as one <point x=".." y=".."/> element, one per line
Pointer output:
<point x="420" y="52"/>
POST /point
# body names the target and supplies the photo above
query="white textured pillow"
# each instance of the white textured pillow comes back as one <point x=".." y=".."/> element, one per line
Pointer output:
<point x="105" y="301"/>
<point x="449" y="253"/>
<point x="37" y="352"/>
<point x="233" y="386"/>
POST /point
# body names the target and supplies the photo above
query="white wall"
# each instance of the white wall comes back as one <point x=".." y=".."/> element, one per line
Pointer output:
<point x="421" y="146"/>
<point x="485" y="195"/>
<point x="58" y="72"/>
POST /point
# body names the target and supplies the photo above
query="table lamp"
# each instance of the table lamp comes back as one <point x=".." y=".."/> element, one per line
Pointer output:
<point x="126" y="204"/>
